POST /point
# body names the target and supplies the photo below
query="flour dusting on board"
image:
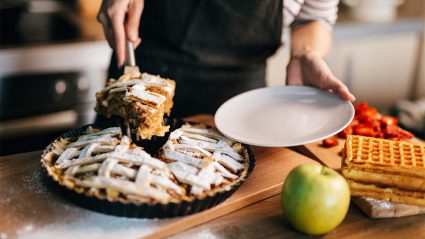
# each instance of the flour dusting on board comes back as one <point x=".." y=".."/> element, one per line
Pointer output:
<point x="33" y="182"/>
<point x="50" y="215"/>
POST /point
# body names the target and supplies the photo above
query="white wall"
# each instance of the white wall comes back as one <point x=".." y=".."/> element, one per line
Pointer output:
<point x="379" y="65"/>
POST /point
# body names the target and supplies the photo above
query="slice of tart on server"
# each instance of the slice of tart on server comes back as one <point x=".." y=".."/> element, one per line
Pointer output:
<point x="140" y="99"/>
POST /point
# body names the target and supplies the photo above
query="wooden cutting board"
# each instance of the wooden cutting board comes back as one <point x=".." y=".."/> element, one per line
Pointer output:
<point x="331" y="157"/>
<point x="29" y="208"/>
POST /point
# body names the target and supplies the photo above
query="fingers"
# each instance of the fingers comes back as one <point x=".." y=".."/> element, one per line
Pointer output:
<point x="102" y="17"/>
<point x="294" y="73"/>
<point x="340" y="89"/>
<point x="134" y="14"/>
<point x="117" y="16"/>
<point x="107" y="31"/>
<point x="320" y="75"/>
<point x="117" y="28"/>
<point x="137" y="42"/>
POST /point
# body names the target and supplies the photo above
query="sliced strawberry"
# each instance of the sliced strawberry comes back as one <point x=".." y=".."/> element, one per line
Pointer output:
<point x="363" y="105"/>
<point x="388" y="120"/>
<point x="345" y="132"/>
<point x="369" y="113"/>
<point x="330" y="142"/>
<point x="364" y="130"/>
<point x="404" y="134"/>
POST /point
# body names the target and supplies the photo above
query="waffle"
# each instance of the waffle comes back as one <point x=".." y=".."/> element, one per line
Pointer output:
<point x="387" y="193"/>
<point x="385" y="169"/>
<point x="141" y="100"/>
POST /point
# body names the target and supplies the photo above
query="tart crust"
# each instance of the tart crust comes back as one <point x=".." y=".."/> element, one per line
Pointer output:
<point x="52" y="154"/>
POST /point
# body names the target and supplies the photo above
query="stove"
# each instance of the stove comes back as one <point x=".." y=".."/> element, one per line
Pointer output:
<point x="38" y="28"/>
<point x="49" y="72"/>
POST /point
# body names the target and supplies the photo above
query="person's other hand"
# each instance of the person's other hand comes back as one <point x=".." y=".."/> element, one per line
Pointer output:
<point x="310" y="69"/>
<point x="120" y="20"/>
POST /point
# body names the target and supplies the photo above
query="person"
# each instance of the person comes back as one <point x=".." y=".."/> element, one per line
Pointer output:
<point x="216" y="49"/>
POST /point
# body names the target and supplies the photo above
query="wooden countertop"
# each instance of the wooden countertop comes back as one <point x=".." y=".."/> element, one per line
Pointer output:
<point x="266" y="220"/>
<point x="263" y="219"/>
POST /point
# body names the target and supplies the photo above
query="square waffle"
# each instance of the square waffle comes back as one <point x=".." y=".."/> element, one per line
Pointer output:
<point x="385" y="169"/>
<point x="140" y="99"/>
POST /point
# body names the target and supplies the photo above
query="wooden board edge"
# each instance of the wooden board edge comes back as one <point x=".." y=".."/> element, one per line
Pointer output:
<point x="393" y="210"/>
<point x="213" y="213"/>
<point x="303" y="150"/>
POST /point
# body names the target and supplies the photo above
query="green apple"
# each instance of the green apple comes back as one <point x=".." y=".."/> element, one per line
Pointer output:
<point x="315" y="199"/>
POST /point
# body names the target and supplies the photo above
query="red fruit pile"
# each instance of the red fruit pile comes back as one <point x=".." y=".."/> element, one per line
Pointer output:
<point x="368" y="122"/>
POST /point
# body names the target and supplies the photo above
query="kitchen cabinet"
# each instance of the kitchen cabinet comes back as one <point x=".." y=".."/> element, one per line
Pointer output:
<point x="58" y="61"/>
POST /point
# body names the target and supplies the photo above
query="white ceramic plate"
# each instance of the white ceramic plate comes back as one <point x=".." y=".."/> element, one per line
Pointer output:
<point x="283" y="116"/>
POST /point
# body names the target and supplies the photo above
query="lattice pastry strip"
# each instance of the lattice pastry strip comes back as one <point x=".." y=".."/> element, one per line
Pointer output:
<point x="117" y="168"/>
<point x="196" y="161"/>
<point x="203" y="158"/>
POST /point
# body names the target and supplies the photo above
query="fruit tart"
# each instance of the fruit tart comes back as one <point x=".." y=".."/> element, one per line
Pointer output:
<point x="140" y="99"/>
<point x="102" y="169"/>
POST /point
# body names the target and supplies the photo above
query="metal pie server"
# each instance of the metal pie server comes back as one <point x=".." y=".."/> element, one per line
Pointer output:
<point x="130" y="65"/>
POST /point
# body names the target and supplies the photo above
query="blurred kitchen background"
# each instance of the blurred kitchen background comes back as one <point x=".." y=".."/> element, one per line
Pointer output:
<point x="53" y="58"/>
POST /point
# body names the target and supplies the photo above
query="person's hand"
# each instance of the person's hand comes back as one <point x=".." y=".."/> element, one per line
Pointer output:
<point x="310" y="69"/>
<point x="120" y="20"/>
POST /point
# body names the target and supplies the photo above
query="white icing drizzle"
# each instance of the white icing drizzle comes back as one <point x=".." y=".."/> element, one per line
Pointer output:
<point x="193" y="148"/>
<point x="117" y="167"/>
<point x="184" y="158"/>
<point x="146" y="108"/>
<point x="124" y="186"/>
<point x="144" y="96"/>
<point x="156" y="80"/>
<point x="116" y="90"/>
<point x="202" y="157"/>
<point x="139" y="87"/>
<point x="88" y="150"/>
<point x="82" y="169"/>
<point x="198" y="157"/>
<point x="106" y="167"/>
<point x="67" y="155"/>
<point x="101" y="139"/>
<point x="113" y="131"/>
<point x="121" y="84"/>
<point x="223" y="171"/>
<point x="183" y="167"/>
<point x="188" y="178"/>
<point x="227" y="162"/>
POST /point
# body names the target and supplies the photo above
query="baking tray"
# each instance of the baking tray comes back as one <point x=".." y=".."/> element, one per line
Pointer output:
<point x="142" y="210"/>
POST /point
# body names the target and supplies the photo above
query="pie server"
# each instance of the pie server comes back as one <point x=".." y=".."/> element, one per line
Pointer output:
<point x="130" y="65"/>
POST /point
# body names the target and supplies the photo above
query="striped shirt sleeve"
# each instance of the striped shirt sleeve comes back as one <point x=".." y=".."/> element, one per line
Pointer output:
<point x="298" y="12"/>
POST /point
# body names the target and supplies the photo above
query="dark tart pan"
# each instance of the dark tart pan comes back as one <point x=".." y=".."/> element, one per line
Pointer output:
<point x="142" y="210"/>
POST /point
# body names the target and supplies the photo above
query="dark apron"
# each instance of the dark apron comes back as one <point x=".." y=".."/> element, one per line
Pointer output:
<point x="213" y="49"/>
